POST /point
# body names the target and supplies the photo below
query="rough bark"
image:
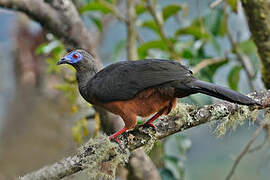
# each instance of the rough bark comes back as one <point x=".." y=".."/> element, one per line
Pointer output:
<point x="99" y="152"/>
<point x="258" y="15"/>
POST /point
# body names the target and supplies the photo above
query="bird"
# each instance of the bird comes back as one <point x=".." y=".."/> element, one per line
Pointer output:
<point x="141" y="88"/>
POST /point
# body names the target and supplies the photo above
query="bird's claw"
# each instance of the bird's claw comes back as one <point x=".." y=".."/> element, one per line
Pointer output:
<point x="115" y="136"/>
<point x="148" y="124"/>
<point x="116" y="140"/>
<point x="152" y="125"/>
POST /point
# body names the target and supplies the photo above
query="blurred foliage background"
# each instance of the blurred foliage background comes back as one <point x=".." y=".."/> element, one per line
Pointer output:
<point x="43" y="119"/>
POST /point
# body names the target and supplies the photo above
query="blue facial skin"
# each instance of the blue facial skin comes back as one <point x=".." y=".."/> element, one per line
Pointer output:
<point x="71" y="58"/>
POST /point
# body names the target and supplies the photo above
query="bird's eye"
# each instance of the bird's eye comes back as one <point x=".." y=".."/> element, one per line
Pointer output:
<point x="75" y="56"/>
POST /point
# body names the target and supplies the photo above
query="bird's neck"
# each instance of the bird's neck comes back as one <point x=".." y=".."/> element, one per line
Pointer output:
<point x="83" y="77"/>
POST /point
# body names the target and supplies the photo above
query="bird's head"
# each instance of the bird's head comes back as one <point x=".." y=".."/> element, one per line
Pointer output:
<point x="80" y="59"/>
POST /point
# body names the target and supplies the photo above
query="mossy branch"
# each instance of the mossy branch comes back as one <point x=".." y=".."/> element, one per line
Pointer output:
<point x="257" y="12"/>
<point x="100" y="156"/>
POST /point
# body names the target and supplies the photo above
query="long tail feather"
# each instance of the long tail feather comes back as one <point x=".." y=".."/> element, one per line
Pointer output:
<point x="221" y="92"/>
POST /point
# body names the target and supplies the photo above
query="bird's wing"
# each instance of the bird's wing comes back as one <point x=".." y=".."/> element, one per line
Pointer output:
<point x="123" y="80"/>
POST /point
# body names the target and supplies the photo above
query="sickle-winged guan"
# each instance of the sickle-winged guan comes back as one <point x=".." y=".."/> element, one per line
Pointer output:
<point x="141" y="88"/>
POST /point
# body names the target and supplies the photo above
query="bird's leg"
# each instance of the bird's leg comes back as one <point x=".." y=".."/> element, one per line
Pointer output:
<point x="118" y="133"/>
<point x="152" y="119"/>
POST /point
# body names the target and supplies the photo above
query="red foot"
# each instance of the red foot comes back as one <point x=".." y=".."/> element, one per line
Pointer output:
<point x="148" y="124"/>
<point x="118" y="133"/>
<point x="151" y="124"/>
<point x="151" y="120"/>
<point x="116" y="139"/>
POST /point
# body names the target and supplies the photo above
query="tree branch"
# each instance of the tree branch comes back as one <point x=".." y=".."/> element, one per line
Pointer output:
<point x="215" y="3"/>
<point x="97" y="153"/>
<point x="115" y="11"/>
<point x="207" y="62"/>
<point x="257" y="13"/>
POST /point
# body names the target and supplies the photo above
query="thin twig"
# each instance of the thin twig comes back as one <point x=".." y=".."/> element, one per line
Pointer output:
<point x="245" y="151"/>
<point x="159" y="24"/>
<point x="131" y="31"/>
<point x="207" y="62"/>
<point x="215" y="3"/>
<point x="265" y="140"/>
<point x="114" y="10"/>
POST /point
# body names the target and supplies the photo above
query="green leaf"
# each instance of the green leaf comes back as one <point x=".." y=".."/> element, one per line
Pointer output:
<point x="216" y="45"/>
<point x="97" y="22"/>
<point x="96" y="6"/>
<point x="112" y="1"/>
<point x="196" y="29"/>
<point x="140" y="9"/>
<point x="233" y="4"/>
<point x="151" y="25"/>
<point x="58" y="50"/>
<point x="170" y="10"/>
<point x="185" y="49"/>
<point x="214" y="67"/>
<point x="145" y="47"/>
<point x="187" y="54"/>
<point x="79" y="130"/>
<point x="40" y="48"/>
<point x="48" y="47"/>
<point x="165" y="173"/>
<point x="52" y="67"/>
<point x="247" y="47"/>
<point x="172" y="159"/>
<point x="208" y="72"/>
<point x="216" y="23"/>
<point x="234" y="76"/>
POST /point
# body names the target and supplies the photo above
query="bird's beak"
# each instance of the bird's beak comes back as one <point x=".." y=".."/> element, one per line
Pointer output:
<point x="62" y="61"/>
